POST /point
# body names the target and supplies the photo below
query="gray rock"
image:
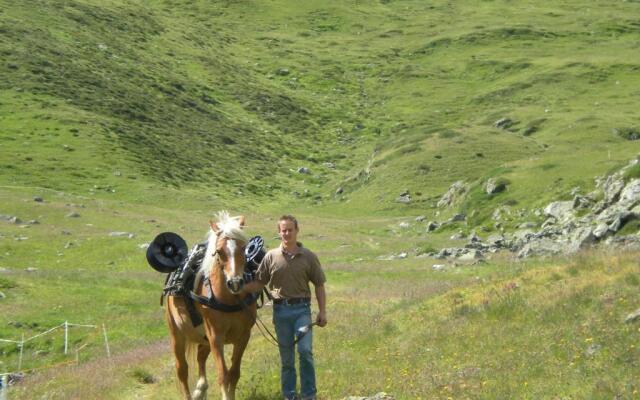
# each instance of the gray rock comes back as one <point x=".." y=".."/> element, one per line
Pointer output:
<point x="304" y="170"/>
<point x="542" y="247"/>
<point x="143" y="246"/>
<point x="494" y="186"/>
<point x="2" y="296"/>
<point x="73" y="215"/>
<point x="340" y="190"/>
<point x="15" y="220"/>
<point x="283" y="71"/>
<point x="455" y="192"/>
<point x="503" y="123"/>
<point x="404" y="225"/>
<point x="633" y="317"/>
<point x="420" y="218"/>
<point x="38" y="199"/>
<point x="457" y="218"/>
<point x="630" y="195"/>
<point x="612" y="187"/>
<point x="600" y="231"/>
<point x="527" y="225"/>
<point x="581" y="238"/>
<point x="406" y="199"/>
<point x="122" y="234"/>
<point x="560" y="210"/>
<point x="457" y="236"/>
<point x="33" y="222"/>
<point x="432" y="226"/>
<point x="620" y="220"/>
<point x="582" y="202"/>
<point x="470" y="255"/>
<point x="329" y="165"/>
<point x="438" y="267"/>
<point x="31" y="269"/>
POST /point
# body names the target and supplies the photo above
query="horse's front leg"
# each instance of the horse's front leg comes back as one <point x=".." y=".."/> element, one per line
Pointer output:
<point x="217" y="348"/>
<point x="201" y="387"/>
<point x="234" y="372"/>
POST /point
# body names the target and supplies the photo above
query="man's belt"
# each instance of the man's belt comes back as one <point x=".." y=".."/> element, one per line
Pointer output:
<point x="293" y="300"/>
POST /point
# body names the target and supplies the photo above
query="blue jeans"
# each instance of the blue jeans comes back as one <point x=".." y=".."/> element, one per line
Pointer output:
<point x="287" y="319"/>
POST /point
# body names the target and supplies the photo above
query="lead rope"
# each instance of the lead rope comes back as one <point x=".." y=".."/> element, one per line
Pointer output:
<point x="270" y="338"/>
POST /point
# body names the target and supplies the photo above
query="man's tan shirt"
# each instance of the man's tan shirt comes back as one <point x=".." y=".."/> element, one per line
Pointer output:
<point x="289" y="277"/>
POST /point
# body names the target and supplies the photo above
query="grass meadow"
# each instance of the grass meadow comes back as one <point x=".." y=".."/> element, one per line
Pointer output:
<point x="146" y="116"/>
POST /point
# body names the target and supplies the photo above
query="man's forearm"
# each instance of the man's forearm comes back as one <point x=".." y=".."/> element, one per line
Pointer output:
<point x="321" y="297"/>
<point x="253" y="287"/>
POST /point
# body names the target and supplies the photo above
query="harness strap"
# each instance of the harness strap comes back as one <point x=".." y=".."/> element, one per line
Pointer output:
<point x="211" y="301"/>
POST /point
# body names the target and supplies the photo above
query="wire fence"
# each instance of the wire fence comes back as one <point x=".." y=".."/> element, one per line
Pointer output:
<point x="10" y="377"/>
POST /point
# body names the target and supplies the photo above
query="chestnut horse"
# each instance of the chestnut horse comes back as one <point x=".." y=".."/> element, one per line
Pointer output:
<point x="223" y="265"/>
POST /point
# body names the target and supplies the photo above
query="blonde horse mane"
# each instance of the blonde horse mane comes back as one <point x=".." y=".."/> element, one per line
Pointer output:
<point x="229" y="227"/>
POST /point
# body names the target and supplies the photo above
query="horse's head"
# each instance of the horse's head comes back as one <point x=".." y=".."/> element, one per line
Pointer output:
<point x="230" y="242"/>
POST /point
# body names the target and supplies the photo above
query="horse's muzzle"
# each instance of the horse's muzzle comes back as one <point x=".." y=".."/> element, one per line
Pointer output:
<point x="235" y="284"/>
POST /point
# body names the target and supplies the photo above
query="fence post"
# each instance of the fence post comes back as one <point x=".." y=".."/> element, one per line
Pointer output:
<point x="21" y="352"/>
<point x="106" y="341"/>
<point x="66" y="337"/>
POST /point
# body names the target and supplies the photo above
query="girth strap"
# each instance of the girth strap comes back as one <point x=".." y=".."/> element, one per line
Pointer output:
<point x="212" y="302"/>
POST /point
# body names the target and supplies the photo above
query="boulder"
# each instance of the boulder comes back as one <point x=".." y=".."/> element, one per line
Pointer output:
<point x="612" y="187"/>
<point x="630" y="195"/>
<point x="503" y="123"/>
<point x="470" y="255"/>
<point x="580" y="239"/>
<point x="494" y="185"/>
<point x="304" y="170"/>
<point x="455" y="192"/>
<point x="560" y="210"/>
<point x="404" y="199"/>
<point x="420" y="218"/>
<point x="600" y="231"/>
<point x="541" y="247"/>
<point x="432" y="226"/>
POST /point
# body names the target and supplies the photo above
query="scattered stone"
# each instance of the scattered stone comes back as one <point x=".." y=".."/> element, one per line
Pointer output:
<point x="457" y="218"/>
<point x="143" y="246"/>
<point x="340" y="190"/>
<point x="470" y="255"/>
<point x="283" y="71"/>
<point x="504" y="123"/>
<point x="420" y="218"/>
<point x="404" y="225"/>
<point x="592" y="349"/>
<point x="455" y="193"/>
<point x="329" y="165"/>
<point x="15" y="220"/>
<point x="304" y="170"/>
<point x="404" y="198"/>
<point x="33" y="222"/>
<point x="633" y="317"/>
<point x="38" y="199"/>
<point x="73" y="215"/>
<point x="432" y="226"/>
<point x="68" y="245"/>
<point x="122" y="234"/>
<point x="494" y="185"/>
<point x="457" y="236"/>
<point x="438" y="267"/>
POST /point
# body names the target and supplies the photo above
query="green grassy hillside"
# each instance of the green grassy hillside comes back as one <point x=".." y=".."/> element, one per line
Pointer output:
<point x="148" y="116"/>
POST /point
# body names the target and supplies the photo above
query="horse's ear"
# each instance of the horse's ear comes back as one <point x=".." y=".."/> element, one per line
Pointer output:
<point x="241" y="220"/>
<point x="214" y="226"/>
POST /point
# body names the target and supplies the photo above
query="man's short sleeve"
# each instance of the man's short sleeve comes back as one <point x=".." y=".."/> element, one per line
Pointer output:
<point x="316" y="274"/>
<point x="263" y="275"/>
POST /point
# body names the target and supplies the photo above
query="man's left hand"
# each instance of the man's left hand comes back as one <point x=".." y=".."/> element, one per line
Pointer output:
<point x="321" y="319"/>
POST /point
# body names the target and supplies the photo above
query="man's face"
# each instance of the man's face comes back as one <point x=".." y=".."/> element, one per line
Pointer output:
<point x="288" y="232"/>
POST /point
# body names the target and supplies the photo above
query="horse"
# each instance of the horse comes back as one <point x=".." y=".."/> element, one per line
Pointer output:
<point x="220" y="276"/>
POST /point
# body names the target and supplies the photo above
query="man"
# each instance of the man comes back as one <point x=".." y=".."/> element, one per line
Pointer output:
<point x="288" y="270"/>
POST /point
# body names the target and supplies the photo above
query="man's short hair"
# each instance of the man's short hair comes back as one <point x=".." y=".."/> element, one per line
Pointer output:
<point x="288" y="217"/>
